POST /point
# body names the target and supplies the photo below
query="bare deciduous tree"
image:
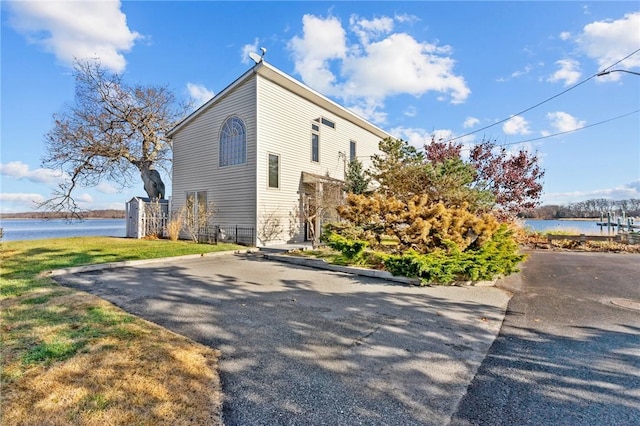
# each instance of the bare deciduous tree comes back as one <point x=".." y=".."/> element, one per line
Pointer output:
<point x="319" y="206"/>
<point x="270" y="226"/>
<point x="111" y="132"/>
<point x="197" y="217"/>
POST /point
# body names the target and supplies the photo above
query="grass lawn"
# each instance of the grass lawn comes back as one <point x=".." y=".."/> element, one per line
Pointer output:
<point x="71" y="358"/>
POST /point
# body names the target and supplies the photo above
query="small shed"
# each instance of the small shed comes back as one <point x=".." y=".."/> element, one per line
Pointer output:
<point x="146" y="217"/>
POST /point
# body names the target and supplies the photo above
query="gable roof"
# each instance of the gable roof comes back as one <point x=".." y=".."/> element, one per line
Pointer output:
<point x="278" y="77"/>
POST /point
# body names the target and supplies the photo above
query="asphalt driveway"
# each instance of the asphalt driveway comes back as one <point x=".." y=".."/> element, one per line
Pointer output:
<point x="568" y="353"/>
<point x="312" y="347"/>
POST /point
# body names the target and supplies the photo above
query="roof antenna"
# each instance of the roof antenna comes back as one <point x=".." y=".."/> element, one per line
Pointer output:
<point x="258" y="58"/>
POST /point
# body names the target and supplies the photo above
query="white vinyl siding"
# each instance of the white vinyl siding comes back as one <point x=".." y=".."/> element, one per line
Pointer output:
<point x="283" y="120"/>
<point x="276" y="112"/>
<point x="196" y="162"/>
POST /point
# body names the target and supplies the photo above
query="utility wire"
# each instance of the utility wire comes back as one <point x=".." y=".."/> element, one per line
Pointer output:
<point x="573" y="130"/>
<point x="545" y="101"/>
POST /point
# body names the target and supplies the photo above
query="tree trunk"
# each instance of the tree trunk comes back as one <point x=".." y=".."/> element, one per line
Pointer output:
<point x="153" y="185"/>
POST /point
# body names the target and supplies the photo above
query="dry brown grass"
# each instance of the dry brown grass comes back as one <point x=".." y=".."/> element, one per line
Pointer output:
<point x="174" y="227"/>
<point x="128" y="372"/>
<point x="540" y="241"/>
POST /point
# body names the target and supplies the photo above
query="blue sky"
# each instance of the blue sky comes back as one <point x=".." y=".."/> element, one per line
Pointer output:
<point x="463" y="70"/>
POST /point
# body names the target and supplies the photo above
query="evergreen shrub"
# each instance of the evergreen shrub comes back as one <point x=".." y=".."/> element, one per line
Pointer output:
<point x="497" y="257"/>
<point x="353" y="250"/>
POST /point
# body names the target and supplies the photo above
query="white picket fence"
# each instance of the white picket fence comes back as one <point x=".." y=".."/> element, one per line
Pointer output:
<point x="147" y="217"/>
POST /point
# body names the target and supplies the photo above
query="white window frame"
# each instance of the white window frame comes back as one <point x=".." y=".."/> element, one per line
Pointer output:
<point x="200" y="200"/>
<point x="232" y="143"/>
<point x="315" y="151"/>
<point x="269" y="155"/>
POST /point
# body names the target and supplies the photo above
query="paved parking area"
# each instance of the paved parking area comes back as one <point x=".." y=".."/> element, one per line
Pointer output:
<point x="312" y="347"/>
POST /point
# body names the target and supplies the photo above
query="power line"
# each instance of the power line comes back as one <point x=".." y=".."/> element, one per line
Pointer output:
<point x="545" y="101"/>
<point x="573" y="130"/>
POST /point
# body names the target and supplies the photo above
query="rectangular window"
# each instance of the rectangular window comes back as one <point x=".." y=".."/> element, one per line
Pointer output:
<point x="315" y="127"/>
<point x="196" y="210"/>
<point x="328" y="123"/>
<point x="274" y="171"/>
<point x="315" y="147"/>
<point x="352" y="150"/>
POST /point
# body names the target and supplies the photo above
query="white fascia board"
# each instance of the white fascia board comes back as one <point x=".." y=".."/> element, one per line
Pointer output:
<point x="239" y="81"/>
<point x="280" y="78"/>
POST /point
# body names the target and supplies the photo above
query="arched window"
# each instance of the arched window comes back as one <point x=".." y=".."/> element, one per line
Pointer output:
<point x="233" y="142"/>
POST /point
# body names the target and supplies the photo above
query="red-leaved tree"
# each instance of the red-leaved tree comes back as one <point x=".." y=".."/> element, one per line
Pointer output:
<point x="514" y="179"/>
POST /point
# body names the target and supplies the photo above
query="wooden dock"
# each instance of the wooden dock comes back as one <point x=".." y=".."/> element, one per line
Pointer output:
<point x="581" y="238"/>
<point x="622" y="237"/>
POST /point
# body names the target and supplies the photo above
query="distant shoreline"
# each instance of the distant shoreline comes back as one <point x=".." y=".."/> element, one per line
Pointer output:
<point x="92" y="214"/>
<point x="57" y="218"/>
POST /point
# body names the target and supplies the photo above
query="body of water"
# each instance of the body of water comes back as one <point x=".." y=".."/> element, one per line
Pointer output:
<point x="35" y="229"/>
<point x="587" y="227"/>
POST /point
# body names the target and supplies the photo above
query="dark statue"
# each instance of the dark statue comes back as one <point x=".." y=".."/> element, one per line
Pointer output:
<point x="153" y="184"/>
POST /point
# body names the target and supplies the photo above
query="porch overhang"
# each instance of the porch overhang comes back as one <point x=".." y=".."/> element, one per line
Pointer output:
<point x="313" y="178"/>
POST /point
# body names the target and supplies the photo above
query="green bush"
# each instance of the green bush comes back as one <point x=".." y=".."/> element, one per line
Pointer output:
<point x="498" y="256"/>
<point x="353" y="250"/>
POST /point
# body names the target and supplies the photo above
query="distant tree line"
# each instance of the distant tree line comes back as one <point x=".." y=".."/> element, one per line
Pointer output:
<point x="584" y="209"/>
<point x="90" y="214"/>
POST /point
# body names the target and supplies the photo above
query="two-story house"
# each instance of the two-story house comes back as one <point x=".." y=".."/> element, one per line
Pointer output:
<point x="265" y="150"/>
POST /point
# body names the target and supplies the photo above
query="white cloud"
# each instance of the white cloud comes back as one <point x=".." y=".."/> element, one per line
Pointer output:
<point x="410" y="111"/>
<point x="608" y="41"/>
<point x="526" y="70"/>
<point x="106" y="188"/>
<point x="400" y="64"/>
<point x="565" y="35"/>
<point x="415" y="136"/>
<point x="405" y="17"/>
<point x="375" y="63"/>
<point x="21" y="198"/>
<point x="199" y="93"/>
<point x="564" y="122"/>
<point x="366" y="29"/>
<point x="84" y="198"/>
<point x="323" y="40"/>
<point x="470" y="122"/>
<point x="18" y="202"/>
<point x="418" y="137"/>
<point x="569" y="72"/>
<point x="20" y="170"/>
<point x="516" y="125"/>
<point x="76" y="29"/>
<point x="621" y="192"/>
<point x="370" y="109"/>
<point x="248" y="48"/>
